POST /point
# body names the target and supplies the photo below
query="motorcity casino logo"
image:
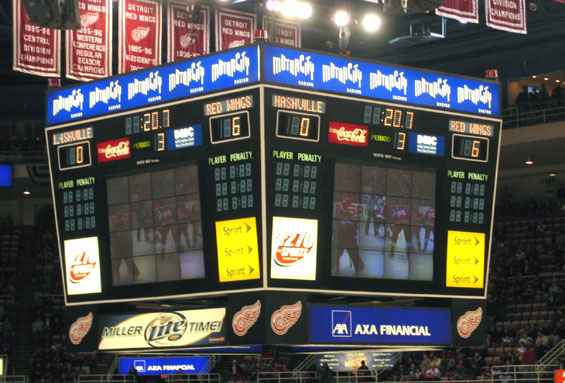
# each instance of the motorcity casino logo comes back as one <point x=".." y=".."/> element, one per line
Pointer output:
<point x="245" y="318"/>
<point x="469" y="322"/>
<point x="286" y="317"/>
<point x="79" y="328"/>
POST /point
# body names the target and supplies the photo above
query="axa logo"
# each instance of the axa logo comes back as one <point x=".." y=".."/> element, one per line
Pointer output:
<point x="341" y="323"/>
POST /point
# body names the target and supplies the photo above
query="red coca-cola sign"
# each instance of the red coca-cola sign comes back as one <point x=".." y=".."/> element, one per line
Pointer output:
<point x="114" y="150"/>
<point x="348" y="134"/>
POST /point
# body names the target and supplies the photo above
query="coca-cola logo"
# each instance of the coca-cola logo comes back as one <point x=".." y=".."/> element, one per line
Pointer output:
<point x="114" y="150"/>
<point x="348" y="134"/>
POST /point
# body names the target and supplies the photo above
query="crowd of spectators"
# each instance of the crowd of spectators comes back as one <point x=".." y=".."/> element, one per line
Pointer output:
<point x="525" y="302"/>
<point x="9" y="246"/>
<point x="533" y="97"/>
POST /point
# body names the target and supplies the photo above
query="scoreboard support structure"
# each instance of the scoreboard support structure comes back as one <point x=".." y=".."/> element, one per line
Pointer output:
<point x="266" y="168"/>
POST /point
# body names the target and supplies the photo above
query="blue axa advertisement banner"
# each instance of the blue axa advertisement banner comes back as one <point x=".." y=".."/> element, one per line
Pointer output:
<point x="167" y="366"/>
<point x="349" y="325"/>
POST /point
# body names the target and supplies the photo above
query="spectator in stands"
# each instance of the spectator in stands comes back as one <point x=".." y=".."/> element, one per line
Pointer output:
<point x="363" y="373"/>
<point x="522" y="98"/>
<point x="325" y="374"/>
<point x="236" y="371"/>
<point x="543" y="93"/>
<point x="414" y="372"/>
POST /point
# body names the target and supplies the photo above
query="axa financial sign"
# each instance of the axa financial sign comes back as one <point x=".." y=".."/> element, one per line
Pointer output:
<point x="165" y="83"/>
<point x="162" y="330"/>
<point x="352" y="325"/>
<point x="383" y="82"/>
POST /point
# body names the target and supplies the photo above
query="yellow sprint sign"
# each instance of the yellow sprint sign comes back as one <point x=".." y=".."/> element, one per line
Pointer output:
<point x="238" y="252"/>
<point x="465" y="259"/>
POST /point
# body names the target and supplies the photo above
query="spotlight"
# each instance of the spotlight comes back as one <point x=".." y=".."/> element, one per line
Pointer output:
<point x="552" y="174"/>
<point x="371" y="22"/>
<point x="341" y="18"/>
<point x="26" y="190"/>
<point x="529" y="159"/>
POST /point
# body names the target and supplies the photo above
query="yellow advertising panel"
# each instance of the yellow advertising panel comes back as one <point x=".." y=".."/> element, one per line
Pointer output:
<point x="465" y="259"/>
<point x="238" y="249"/>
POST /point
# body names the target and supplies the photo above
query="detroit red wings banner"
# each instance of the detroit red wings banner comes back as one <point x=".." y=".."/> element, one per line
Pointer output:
<point x="186" y="39"/>
<point x="139" y="34"/>
<point x="286" y="33"/>
<point x="506" y="15"/>
<point x="36" y="50"/>
<point x="466" y="11"/>
<point x="89" y="49"/>
<point x="233" y="28"/>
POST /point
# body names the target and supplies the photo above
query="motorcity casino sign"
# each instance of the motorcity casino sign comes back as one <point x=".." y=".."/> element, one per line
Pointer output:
<point x="165" y="83"/>
<point x="285" y="66"/>
<point x="162" y="330"/>
<point x="351" y="325"/>
<point x="384" y="82"/>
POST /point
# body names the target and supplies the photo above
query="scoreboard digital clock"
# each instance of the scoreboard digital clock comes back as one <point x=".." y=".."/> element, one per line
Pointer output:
<point x="269" y="185"/>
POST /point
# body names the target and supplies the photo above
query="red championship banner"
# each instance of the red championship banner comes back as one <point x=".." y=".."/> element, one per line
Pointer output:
<point x="233" y="28"/>
<point x="186" y="39"/>
<point x="139" y="34"/>
<point x="558" y="376"/>
<point x="466" y="11"/>
<point x="89" y="49"/>
<point x="286" y="33"/>
<point x="506" y="15"/>
<point x="37" y="50"/>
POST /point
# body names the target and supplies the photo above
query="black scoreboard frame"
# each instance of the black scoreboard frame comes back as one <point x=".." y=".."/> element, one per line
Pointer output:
<point x="385" y="149"/>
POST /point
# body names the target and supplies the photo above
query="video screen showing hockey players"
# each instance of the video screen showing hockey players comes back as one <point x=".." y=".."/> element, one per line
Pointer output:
<point x="383" y="223"/>
<point x="155" y="226"/>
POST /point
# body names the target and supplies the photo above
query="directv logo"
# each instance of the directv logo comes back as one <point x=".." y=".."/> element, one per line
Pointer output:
<point x="341" y="323"/>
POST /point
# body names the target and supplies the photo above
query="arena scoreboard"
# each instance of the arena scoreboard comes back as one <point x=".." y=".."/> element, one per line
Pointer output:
<point x="269" y="168"/>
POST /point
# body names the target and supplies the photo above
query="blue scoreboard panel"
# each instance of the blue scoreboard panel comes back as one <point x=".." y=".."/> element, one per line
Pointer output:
<point x="172" y="182"/>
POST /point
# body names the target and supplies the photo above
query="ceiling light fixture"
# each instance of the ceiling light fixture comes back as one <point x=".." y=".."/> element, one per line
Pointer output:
<point x="26" y="190"/>
<point x="529" y="159"/>
<point x="342" y="18"/>
<point x="371" y="22"/>
<point x="552" y="174"/>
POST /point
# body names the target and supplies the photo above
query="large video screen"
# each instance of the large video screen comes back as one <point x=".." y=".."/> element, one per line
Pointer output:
<point x="383" y="223"/>
<point x="155" y="226"/>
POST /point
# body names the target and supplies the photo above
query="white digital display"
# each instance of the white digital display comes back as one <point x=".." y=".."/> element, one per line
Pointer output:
<point x="294" y="248"/>
<point x="82" y="266"/>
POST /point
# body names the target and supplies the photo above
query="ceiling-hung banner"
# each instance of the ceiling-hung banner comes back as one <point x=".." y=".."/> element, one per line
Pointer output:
<point x="36" y="50"/>
<point x="286" y="33"/>
<point x="506" y="15"/>
<point x="233" y="28"/>
<point x="89" y="49"/>
<point x="139" y="34"/>
<point x="466" y="11"/>
<point x="186" y="39"/>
